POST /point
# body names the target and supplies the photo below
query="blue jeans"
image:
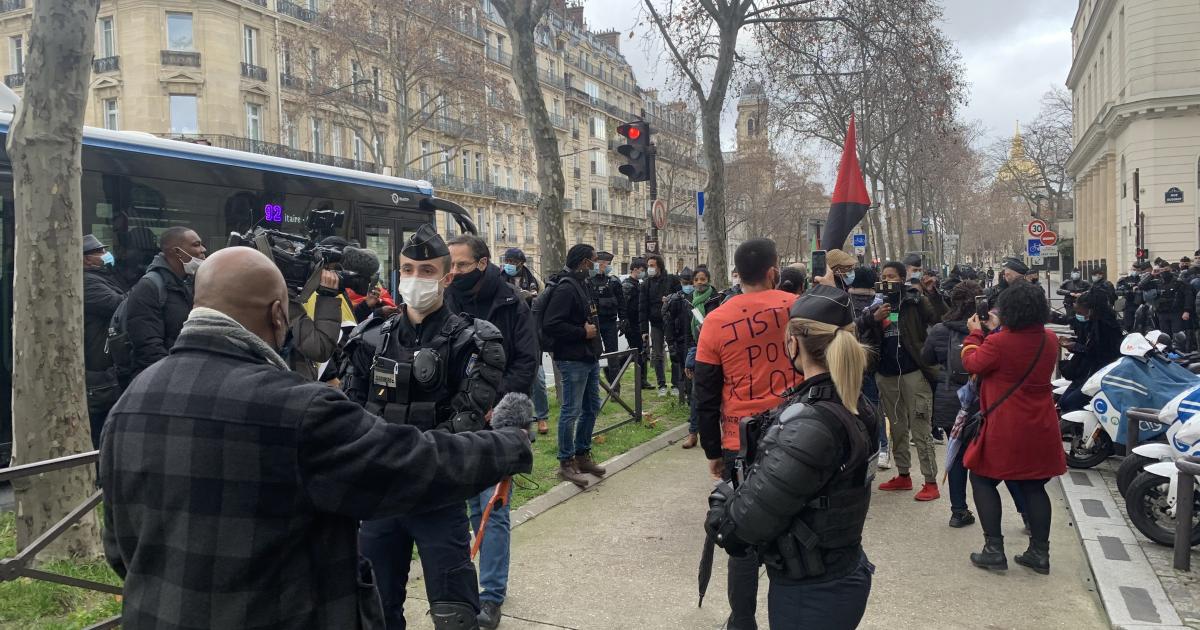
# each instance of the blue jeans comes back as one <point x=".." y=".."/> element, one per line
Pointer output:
<point x="580" y="404"/>
<point x="871" y="391"/>
<point x="541" y="405"/>
<point x="494" y="551"/>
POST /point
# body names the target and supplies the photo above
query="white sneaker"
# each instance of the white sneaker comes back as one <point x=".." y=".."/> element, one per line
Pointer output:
<point x="885" y="460"/>
<point x="674" y="391"/>
<point x="662" y="391"/>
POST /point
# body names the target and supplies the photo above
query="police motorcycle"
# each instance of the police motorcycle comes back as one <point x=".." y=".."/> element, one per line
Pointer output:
<point x="1143" y="377"/>
<point x="1152" y="495"/>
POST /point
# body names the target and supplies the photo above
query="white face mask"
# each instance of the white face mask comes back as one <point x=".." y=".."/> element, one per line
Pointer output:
<point x="420" y="294"/>
<point x="651" y="272"/>
<point x="191" y="266"/>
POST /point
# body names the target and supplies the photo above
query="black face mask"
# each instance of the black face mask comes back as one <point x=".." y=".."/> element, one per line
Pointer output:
<point x="465" y="281"/>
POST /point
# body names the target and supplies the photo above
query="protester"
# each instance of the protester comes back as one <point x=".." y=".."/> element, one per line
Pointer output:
<point x="903" y="375"/>
<point x="102" y="295"/>
<point x="817" y="454"/>
<point x="430" y="368"/>
<point x="677" y="331"/>
<point x="570" y="321"/>
<point x="842" y="265"/>
<point x="793" y="280"/>
<point x="522" y="279"/>
<point x="378" y="302"/>
<point x="654" y="291"/>
<point x="631" y="322"/>
<point x="863" y="297"/>
<point x="742" y="370"/>
<point x="1097" y="343"/>
<point x="160" y="302"/>
<point x="609" y="298"/>
<point x="479" y="290"/>
<point x="943" y="348"/>
<point x="1019" y="439"/>
<point x="1012" y="271"/>
<point x="696" y="308"/>
<point x="220" y="448"/>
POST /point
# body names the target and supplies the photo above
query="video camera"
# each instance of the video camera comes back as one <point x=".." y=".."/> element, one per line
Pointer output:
<point x="302" y="258"/>
<point x="895" y="292"/>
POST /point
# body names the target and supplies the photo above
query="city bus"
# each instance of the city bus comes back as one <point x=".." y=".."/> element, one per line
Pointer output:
<point x="136" y="185"/>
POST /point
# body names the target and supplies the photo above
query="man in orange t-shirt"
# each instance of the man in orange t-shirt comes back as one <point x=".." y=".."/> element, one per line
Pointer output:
<point x="742" y="370"/>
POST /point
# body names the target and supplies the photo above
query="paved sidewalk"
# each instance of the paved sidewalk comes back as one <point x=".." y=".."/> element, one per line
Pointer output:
<point x="624" y="555"/>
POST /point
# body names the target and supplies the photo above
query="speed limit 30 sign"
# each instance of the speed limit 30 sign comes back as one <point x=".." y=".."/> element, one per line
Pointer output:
<point x="1037" y="227"/>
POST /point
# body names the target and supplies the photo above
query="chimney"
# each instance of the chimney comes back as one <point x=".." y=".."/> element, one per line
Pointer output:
<point x="651" y="94"/>
<point x="575" y="15"/>
<point x="612" y="38"/>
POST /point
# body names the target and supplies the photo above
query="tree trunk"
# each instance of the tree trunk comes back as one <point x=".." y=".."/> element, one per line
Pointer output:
<point x="49" y="406"/>
<point x="714" y="195"/>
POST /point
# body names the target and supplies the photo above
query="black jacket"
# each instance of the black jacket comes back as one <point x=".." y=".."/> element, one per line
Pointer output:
<point x="652" y="292"/>
<point x="1176" y="298"/>
<point x="496" y="301"/>
<point x="239" y="486"/>
<point x="569" y="308"/>
<point x="631" y="317"/>
<point x="941" y="350"/>
<point x="102" y="294"/>
<point x="609" y="297"/>
<point x="524" y="281"/>
<point x="1098" y="343"/>
<point x="677" y="324"/>
<point x="152" y="329"/>
<point x="917" y="315"/>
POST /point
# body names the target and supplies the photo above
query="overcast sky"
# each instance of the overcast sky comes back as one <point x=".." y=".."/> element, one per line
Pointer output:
<point x="1013" y="51"/>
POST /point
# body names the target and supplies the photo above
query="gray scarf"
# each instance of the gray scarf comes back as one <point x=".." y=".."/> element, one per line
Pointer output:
<point x="209" y="322"/>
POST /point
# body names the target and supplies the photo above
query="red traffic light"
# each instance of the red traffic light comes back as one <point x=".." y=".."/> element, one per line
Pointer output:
<point x="634" y="133"/>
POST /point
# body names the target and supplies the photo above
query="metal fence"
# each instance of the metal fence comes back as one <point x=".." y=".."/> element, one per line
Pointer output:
<point x="1185" y="496"/>
<point x="613" y="393"/>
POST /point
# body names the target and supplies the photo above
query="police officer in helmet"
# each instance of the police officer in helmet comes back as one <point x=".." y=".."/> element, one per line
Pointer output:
<point x="430" y="368"/>
<point x="804" y="501"/>
<point x="610" y="303"/>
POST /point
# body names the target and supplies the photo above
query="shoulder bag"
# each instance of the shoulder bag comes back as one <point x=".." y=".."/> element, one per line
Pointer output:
<point x="972" y="427"/>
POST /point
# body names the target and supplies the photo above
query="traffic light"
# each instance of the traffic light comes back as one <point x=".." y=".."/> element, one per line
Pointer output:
<point x="1143" y="253"/>
<point x="637" y="151"/>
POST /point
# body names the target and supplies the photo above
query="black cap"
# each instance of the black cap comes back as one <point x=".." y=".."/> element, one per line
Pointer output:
<point x="425" y="244"/>
<point x="825" y="304"/>
<point x="605" y="256"/>
<point x="1013" y="263"/>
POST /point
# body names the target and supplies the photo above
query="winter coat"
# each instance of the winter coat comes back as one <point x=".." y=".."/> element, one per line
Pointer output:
<point x="102" y="294"/>
<point x="653" y="291"/>
<point x="152" y="330"/>
<point x="677" y="324"/>
<point x="1097" y="343"/>
<point x="238" y="486"/>
<point x="569" y="308"/>
<point x="1020" y="438"/>
<point x="631" y="317"/>
<point x="313" y="339"/>
<point x="496" y="301"/>
<point x="941" y="346"/>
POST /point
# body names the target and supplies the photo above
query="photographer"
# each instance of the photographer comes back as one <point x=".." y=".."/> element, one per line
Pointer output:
<point x="804" y="502"/>
<point x="898" y="328"/>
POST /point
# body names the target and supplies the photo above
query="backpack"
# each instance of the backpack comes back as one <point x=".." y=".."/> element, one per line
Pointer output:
<point x="117" y="345"/>
<point x="539" y="313"/>
<point x="956" y="374"/>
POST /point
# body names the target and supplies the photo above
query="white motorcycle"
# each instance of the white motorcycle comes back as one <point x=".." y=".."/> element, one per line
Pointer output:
<point x="1152" y="497"/>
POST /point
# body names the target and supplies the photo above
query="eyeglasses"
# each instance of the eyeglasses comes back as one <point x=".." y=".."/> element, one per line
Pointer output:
<point x="464" y="265"/>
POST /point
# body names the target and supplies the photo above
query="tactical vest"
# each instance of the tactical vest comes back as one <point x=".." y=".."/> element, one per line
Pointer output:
<point x="835" y="518"/>
<point x="605" y="297"/>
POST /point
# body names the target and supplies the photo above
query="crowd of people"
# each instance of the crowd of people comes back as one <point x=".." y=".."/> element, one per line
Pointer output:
<point x="343" y="430"/>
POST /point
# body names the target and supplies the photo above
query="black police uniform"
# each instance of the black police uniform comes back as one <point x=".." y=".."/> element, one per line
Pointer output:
<point x="631" y="319"/>
<point x="609" y="299"/>
<point x="804" y="503"/>
<point x="441" y="374"/>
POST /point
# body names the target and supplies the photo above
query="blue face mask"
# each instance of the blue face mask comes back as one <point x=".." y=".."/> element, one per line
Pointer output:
<point x="1081" y="318"/>
<point x="108" y="259"/>
<point x="510" y="269"/>
<point x="689" y="289"/>
<point x="916" y="275"/>
<point x="850" y="278"/>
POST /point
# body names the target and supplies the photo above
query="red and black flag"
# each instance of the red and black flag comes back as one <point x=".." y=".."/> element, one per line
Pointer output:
<point x="850" y="202"/>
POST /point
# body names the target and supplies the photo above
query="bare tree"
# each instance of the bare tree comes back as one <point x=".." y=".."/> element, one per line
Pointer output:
<point x="521" y="17"/>
<point x="1034" y="164"/>
<point x="45" y="148"/>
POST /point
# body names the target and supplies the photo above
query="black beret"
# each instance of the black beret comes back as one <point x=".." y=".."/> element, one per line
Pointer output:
<point x="1015" y="264"/>
<point x="425" y="244"/>
<point x="605" y="256"/>
<point x="824" y="304"/>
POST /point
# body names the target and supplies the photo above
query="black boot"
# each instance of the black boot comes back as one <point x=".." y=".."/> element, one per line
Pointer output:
<point x="961" y="518"/>
<point x="1036" y="557"/>
<point x="992" y="557"/>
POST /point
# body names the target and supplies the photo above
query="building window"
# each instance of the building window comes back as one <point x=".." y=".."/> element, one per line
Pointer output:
<point x="289" y="133"/>
<point x="112" y="118"/>
<point x="250" y="45"/>
<point x="426" y="156"/>
<point x="314" y="62"/>
<point x="16" y="54"/>
<point x="479" y="166"/>
<point x="356" y="149"/>
<point x="466" y="165"/>
<point x="528" y="229"/>
<point x="508" y="177"/>
<point x="377" y="148"/>
<point x="106" y="41"/>
<point x="377" y="83"/>
<point x="336" y="148"/>
<point x="447" y="162"/>
<point x="512" y="228"/>
<point x="254" y="121"/>
<point x="481" y="224"/>
<point x="184" y="117"/>
<point x="314" y="5"/>
<point x="318" y="137"/>
<point x="356" y="75"/>
<point x="179" y="31"/>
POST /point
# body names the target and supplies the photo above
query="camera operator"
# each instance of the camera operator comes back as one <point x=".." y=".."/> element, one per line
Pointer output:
<point x="898" y="327"/>
<point x="238" y="486"/>
<point x="432" y="369"/>
<point x="804" y="503"/>
<point x="313" y="338"/>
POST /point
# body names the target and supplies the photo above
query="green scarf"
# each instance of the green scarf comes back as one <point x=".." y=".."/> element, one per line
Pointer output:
<point x="698" y="300"/>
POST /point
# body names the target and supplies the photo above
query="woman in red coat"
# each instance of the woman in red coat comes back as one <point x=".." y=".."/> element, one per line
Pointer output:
<point x="1020" y="439"/>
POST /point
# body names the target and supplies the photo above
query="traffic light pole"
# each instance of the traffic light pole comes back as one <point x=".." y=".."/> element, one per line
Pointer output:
<point x="654" y="194"/>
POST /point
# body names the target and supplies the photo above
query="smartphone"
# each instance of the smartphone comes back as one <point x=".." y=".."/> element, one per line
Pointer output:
<point x="981" y="308"/>
<point x="817" y="268"/>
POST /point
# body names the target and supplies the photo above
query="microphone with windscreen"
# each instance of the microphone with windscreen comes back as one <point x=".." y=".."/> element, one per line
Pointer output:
<point x="514" y="410"/>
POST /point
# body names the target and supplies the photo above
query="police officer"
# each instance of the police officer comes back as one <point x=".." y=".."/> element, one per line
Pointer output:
<point x="804" y="502"/>
<point x="427" y="367"/>
<point x="631" y="316"/>
<point x="609" y="298"/>
<point x="1072" y="289"/>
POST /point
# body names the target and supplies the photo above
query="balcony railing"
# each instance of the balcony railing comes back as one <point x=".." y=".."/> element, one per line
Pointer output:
<point x="620" y="182"/>
<point x="251" y="71"/>
<point x="181" y="58"/>
<point x="106" y="64"/>
<point x="368" y="101"/>
<point x="11" y="5"/>
<point x="558" y="120"/>
<point x="261" y="3"/>
<point x="293" y="82"/>
<point x="15" y="80"/>
<point x="260" y="147"/>
<point x="499" y="56"/>
<point x="552" y="80"/>
<point x="516" y="196"/>
<point x="294" y="10"/>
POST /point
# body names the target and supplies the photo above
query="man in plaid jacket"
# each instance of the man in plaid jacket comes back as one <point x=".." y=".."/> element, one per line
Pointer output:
<point x="233" y="487"/>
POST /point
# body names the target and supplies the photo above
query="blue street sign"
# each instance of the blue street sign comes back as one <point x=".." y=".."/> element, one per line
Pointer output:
<point x="915" y="232"/>
<point x="860" y="240"/>
<point x="700" y="202"/>
<point x="1033" y="247"/>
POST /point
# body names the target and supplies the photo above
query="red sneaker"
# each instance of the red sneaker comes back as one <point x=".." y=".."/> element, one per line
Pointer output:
<point x="898" y="483"/>
<point x="928" y="492"/>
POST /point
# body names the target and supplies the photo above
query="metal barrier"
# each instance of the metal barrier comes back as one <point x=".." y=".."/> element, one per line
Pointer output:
<point x="1133" y="430"/>
<point x="18" y="566"/>
<point x="1185" y="502"/>
<point x="613" y="393"/>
